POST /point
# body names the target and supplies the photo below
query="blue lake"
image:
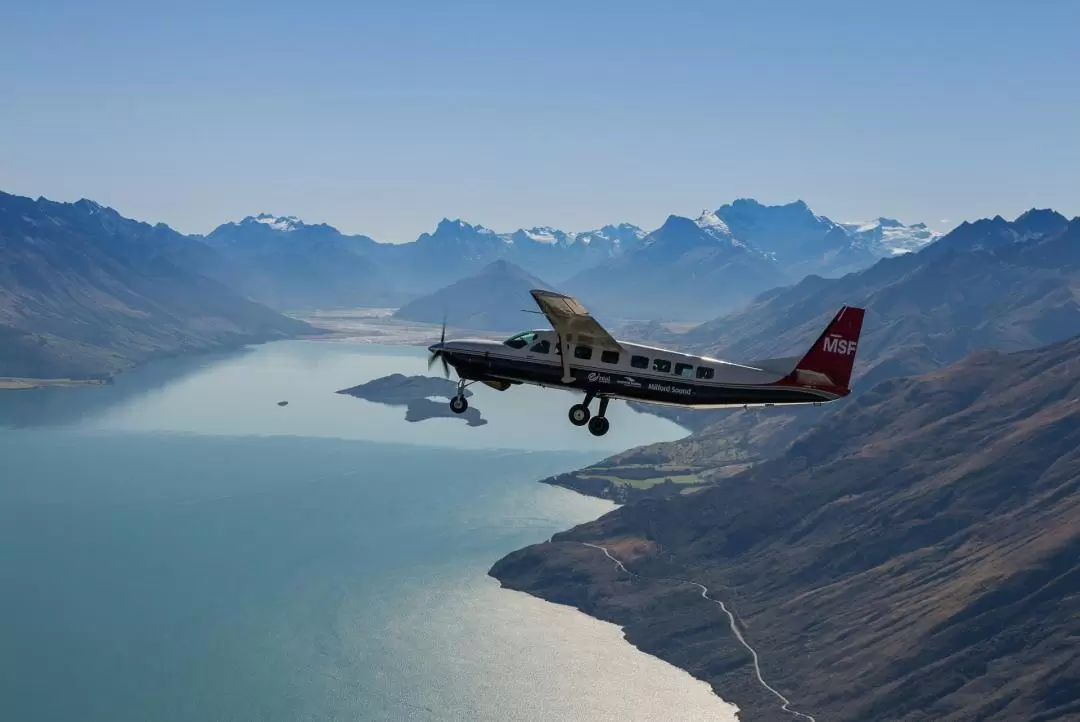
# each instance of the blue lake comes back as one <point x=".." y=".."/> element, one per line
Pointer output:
<point x="178" y="547"/>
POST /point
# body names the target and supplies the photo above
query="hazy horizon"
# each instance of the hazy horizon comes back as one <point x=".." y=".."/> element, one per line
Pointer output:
<point x="383" y="119"/>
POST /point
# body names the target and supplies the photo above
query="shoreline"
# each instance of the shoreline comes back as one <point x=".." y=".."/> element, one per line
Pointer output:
<point x="586" y="576"/>
<point x="12" y="383"/>
<point x="375" y="326"/>
<point x="25" y="383"/>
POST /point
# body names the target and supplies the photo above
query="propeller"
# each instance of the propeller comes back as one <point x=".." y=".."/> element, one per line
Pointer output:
<point x="438" y="352"/>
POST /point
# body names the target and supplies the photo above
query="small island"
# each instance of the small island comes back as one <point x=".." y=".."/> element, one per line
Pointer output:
<point x="414" y="393"/>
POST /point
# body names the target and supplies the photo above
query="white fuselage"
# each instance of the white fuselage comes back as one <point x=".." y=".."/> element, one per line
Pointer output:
<point x="637" y="372"/>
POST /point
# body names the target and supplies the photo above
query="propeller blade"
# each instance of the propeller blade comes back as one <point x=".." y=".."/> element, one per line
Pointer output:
<point x="442" y="338"/>
<point x="445" y="366"/>
<point x="431" y="360"/>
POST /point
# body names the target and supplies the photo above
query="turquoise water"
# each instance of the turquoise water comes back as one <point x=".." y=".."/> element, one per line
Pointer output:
<point x="177" y="547"/>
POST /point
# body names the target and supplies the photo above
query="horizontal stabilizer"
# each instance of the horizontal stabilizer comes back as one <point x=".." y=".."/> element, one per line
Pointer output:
<point x="782" y="366"/>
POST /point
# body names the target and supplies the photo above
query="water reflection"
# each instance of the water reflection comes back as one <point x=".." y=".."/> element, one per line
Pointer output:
<point x="62" y="406"/>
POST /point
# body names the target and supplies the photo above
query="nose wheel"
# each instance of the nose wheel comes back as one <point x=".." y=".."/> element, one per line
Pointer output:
<point x="580" y="416"/>
<point x="459" y="404"/>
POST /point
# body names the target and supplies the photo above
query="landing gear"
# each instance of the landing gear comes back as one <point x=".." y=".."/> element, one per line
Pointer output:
<point x="580" y="415"/>
<point x="598" y="426"/>
<point x="459" y="404"/>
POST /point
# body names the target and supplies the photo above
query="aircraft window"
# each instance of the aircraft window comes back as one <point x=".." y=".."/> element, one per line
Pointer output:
<point x="661" y="365"/>
<point x="610" y="357"/>
<point x="639" y="362"/>
<point x="686" y="370"/>
<point x="704" y="372"/>
<point x="583" y="352"/>
<point x="521" y="340"/>
<point x="542" y="346"/>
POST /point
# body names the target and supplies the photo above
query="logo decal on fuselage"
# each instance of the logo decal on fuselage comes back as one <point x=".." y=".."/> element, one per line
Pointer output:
<point x="837" y="345"/>
<point x="595" y="377"/>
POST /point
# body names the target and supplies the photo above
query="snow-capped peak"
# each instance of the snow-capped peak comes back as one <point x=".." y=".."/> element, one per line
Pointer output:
<point x="278" y="223"/>
<point x="709" y="219"/>
<point x="889" y="237"/>
<point x="544" y="234"/>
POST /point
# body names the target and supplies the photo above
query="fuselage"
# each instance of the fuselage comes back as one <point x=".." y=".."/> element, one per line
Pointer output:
<point x="637" y="372"/>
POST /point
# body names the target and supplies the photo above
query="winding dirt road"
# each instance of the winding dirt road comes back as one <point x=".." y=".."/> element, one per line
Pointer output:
<point x="785" y="704"/>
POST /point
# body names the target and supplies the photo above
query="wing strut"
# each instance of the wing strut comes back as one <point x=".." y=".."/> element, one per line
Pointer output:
<point x="567" y="375"/>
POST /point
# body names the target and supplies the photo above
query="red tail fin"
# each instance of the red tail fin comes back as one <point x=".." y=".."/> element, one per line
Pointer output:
<point x="830" y="360"/>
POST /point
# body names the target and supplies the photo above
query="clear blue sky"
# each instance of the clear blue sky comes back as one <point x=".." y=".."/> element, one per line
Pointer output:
<point x="382" y="117"/>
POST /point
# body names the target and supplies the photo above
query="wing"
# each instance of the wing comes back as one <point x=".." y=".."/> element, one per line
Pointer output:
<point x="572" y="322"/>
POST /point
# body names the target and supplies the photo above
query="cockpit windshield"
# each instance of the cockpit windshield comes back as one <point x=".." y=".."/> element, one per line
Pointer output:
<point x="521" y="340"/>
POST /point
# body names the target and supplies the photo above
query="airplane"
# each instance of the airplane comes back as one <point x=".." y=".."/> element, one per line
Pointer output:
<point x="580" y="355"/>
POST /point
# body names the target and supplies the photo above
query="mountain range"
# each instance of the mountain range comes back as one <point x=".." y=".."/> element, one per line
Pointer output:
<point x="914" y="556"/>
<point x="85" y="293"/>
<point x="689" y="269"/>
<point x="993" y="283"/>
<point x="987" y="284"/>
<point x="286" y="263"/>
<point x="61" y="317"/>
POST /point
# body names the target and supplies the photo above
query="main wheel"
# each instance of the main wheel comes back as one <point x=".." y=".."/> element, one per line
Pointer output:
<point x="458" y="404"/>
<point x="579" y="414"/>
<point x="599" y="426"/>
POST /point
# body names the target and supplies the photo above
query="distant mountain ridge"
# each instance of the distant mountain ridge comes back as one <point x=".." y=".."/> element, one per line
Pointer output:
<point x="779" y="245"/>
<point x="801" y="241"/>
<point x="694" y="268"/>
<point x="492" y="300"/>
<point x="85" y="293"/>
<point x="987" y="284"/>
<point x="287" y="263"/>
